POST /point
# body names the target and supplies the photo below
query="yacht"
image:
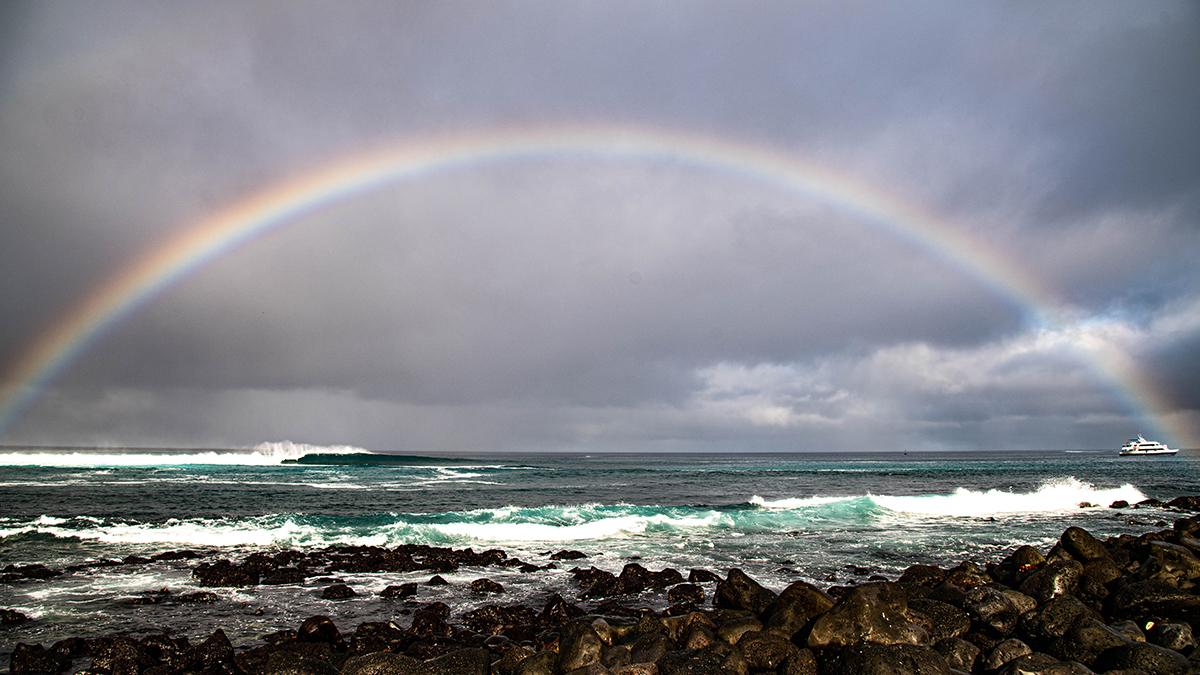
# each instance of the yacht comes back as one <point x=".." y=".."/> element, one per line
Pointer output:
<point x="1141" y="446"/>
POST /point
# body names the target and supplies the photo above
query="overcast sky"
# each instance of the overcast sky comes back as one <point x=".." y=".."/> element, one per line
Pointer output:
<point x="576" y="303"/>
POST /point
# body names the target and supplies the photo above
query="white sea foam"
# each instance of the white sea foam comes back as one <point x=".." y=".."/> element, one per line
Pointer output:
<point x="795" y="502"/>
<point x="1066" y="494"/>
<point x="605" y="528"/>
<point x="263" y="454"/>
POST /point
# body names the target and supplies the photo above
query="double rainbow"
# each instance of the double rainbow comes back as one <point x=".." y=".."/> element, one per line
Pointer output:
<point x="243" y="221"/>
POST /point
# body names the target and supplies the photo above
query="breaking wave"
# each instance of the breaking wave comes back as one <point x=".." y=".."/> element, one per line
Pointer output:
<point x="581" y="522"/>
<point x="263" y="454"/>
<point x="1054" y="496"/>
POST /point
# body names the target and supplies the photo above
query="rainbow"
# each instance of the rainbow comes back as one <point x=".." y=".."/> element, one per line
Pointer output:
<point x="243" y="221"/>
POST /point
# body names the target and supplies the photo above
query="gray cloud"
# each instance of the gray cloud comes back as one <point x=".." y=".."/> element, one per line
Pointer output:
<point x="562" y="303"/>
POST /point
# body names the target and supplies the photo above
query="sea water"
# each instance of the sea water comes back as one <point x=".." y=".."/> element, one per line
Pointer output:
<point x="781" y="517"/>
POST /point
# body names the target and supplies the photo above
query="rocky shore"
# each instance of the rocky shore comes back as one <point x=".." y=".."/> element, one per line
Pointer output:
<point x="1128" y="604"/>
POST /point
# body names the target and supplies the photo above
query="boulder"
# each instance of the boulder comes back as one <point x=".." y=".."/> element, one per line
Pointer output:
<point x="557" y="611"/>
<point x="1053" y="619"/>
<point x="796" y="607"/>
<point x="732" y="630"/>
<point x="430" y="621"/>
<point x="399" y="591"/>
<point x="338" y="592"/>
<point x="1004" y="652"/>
<point x="1086" y="641"/>
<point x="1144" y="657"/>
<point x="739" y="591"/>
<point x="939" y="619"/>
<point x="382" y="663"/>
<point x="579" y="647"/>
<point x="376" y="636"/>
<point x="765" y="650"/>
<point x="319" y="629"/>
<point x="1082" y="545"/>
<point x="27" y="658"/>
<point x="283" y="575"/>
<point x="717" y="659"/>
<point x="686" y="594"/>
<point x="884" y="660"/>
<point x="215" y="653"/>
<point x="701" y="576"/>
<point x="1155" y="598"/>
<point x="476" y="661"/>
<point x="568" y="555"/>
<point x="1177" y="636"/>
<point x="959" y="654"/>
<point x="495" y="620"/>
<point x="876" y="612"/>
<point x="992" y="608"/>
<point x="485" y="587"/>
<point x="11" y="617"/>
<point x="1055" y="579"/>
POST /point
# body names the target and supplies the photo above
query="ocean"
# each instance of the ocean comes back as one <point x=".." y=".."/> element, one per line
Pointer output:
<point x="826" y="519"/>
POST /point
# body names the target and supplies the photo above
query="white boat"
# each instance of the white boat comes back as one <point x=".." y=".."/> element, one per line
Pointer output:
<point x="1140" y="446"/>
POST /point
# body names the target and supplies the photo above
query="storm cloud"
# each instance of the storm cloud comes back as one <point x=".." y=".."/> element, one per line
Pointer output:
<point x="573" y="303"/>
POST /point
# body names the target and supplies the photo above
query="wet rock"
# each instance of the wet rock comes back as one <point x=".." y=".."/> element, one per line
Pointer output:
<point x="717" y="659"/>
<point x="224" y="573"/>
<point x="507" y="665"/>
<point x="1155" y="598"/>
<point x="294" y="658"/>
<point x="436" y="580"/>
<point x="698" y="637"/>
<point x="686" y="594"/>
<point x="702" y="576"/>
<point x="430" y="621"/>
<point x="1177" y="636"/>
<point x="1171" y="563"/>
<point x="1004" y="652"/>
<point x="875" y="612"/>
<point x="1086" y="640"/>
<point x="796" y="607"/>
<point x="381" y="663"/>
<point x="475" y="661"/>
<point x="568" y="555"/>
<point x="873" y="659"/>
<point x="120" y="655"/>
<point x="739" y="591"/>
<point x="1129" y="630"/>
<point x="1055" y="579"/>
<point x="731" y="631"/>
<point x="1043" y="664"/>
<point x="215" y="653"/>
<point x="376" y="636"/>
<point x="1082" y="545"/>
<point x="541" y="663"/>
<point x="1144" y="657"/>
<point x="959" y="654"/>
<point x="399" y="591"/>
<point x="338" y="592"/>
<point x="485" y="587"/>
<point x="579" y="647"/>
<point x="172" y="654"/>
<point x="1119" y="504"/>
<point x="11" y="617"/>
<point x="926" y="576"/>
<point x="558" y="611"/>
<point x="803" y="662"/>
<point x="197" y="598"/>
<point x="27" y="658"/>
<point x="1053" y="619"/>
<point x="1189" y="503"/>
<point x="941" y="620"/>
<point x="594" y="583"/>
<point x="765" y="650"/>
<point x="495" y="619"/>
<point x="319" y="629"/>
<point x="991" y="607"/>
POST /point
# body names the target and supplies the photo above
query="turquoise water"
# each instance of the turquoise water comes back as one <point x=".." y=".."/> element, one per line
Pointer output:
<point x="780" y="517"/>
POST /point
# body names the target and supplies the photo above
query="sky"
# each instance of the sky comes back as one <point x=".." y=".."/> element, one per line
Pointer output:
<point x="576" y="301"/>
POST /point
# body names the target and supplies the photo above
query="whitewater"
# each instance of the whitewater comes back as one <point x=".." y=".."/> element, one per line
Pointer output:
<point x="821" y="518"/>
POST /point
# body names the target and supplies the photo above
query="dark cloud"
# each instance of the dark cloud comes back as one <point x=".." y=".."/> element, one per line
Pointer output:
<point x="561" y="303"/>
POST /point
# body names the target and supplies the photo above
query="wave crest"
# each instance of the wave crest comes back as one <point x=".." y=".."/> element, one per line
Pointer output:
<point x="263" y="454"/>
